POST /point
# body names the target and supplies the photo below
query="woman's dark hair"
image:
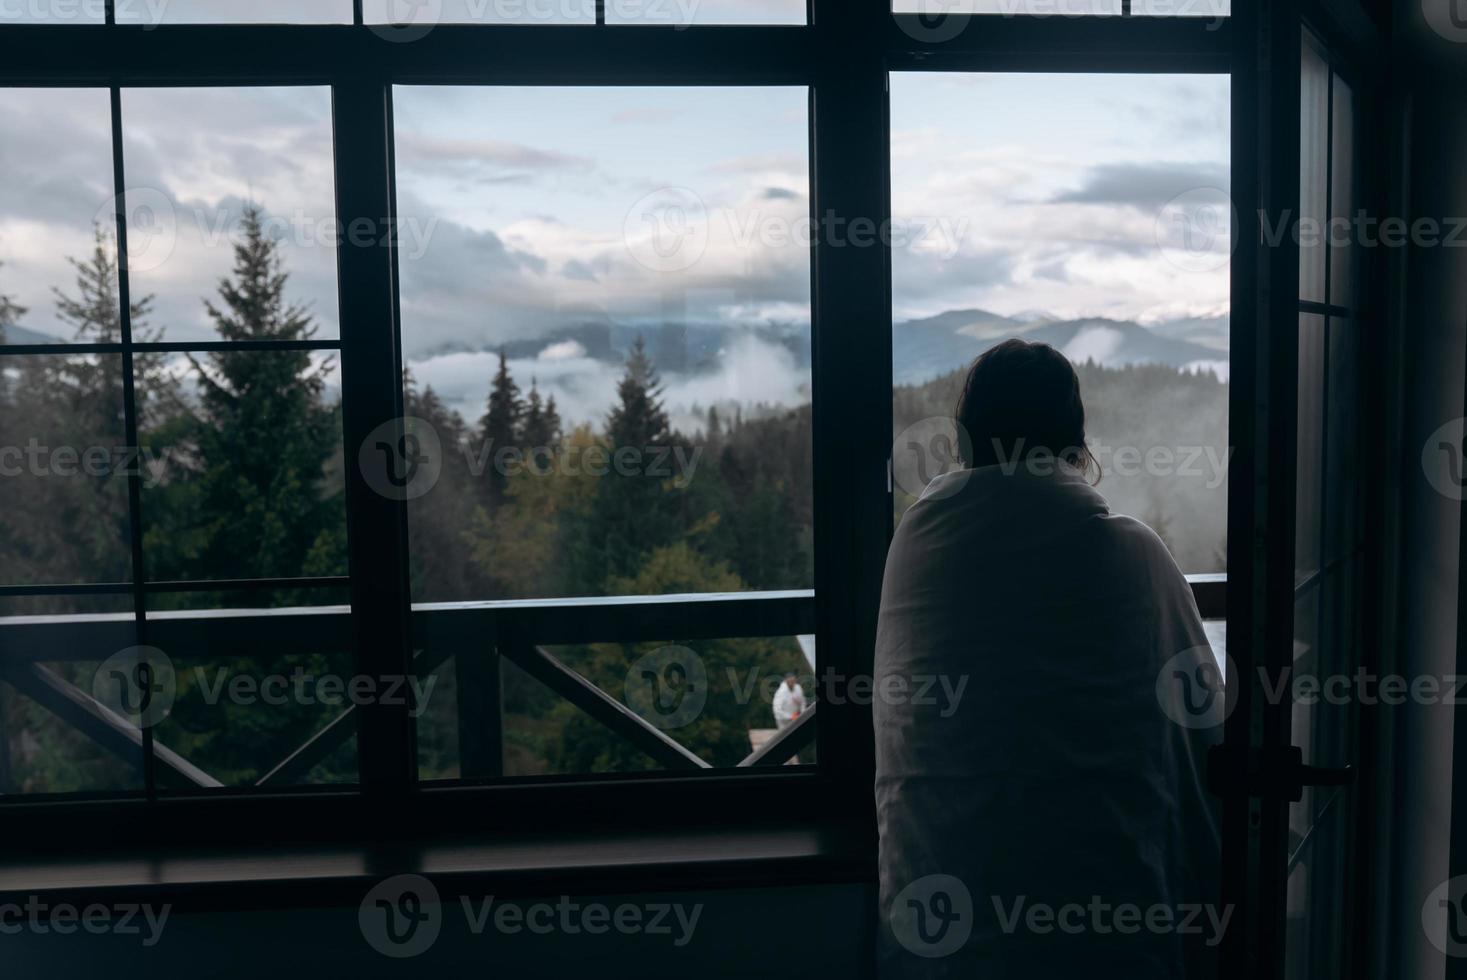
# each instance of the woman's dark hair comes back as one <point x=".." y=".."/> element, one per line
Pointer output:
<point x="1023" y="399"/>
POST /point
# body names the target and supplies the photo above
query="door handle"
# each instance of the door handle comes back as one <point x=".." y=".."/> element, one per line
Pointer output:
<point x="1275" y="772"/>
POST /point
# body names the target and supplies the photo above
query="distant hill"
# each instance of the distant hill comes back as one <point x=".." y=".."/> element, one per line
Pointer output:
<point x="680" y="348"/>
<point x="923" y="349"/>
<point x="933" y="346"/>
<point x="16" y="334"/>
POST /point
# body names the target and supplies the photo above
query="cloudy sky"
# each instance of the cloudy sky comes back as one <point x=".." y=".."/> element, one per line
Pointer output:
<point x="525" y="210"/>
<point x="1059" y="180"/>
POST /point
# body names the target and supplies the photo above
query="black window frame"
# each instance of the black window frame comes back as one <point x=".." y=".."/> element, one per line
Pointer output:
<point x="843" y="56"/>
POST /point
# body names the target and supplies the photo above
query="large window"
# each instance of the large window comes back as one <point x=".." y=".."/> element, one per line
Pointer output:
<point x="476" y="403"/>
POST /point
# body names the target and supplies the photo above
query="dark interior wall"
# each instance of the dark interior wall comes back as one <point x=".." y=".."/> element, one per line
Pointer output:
<point x="1426" y="314"/>
<point x="811" y="931"/>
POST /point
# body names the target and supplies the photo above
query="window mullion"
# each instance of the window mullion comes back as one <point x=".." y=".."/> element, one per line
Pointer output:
<point x="371" y="412"/>
<point x="130" y="430"/>
<point x="851" y="374"/>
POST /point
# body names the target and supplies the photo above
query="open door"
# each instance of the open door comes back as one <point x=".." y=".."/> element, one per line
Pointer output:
<point x="1284" y="770"/>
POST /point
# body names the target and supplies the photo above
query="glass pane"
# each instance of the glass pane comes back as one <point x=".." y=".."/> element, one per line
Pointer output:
<point x="255" y="677"/>
<point x="223" y="179"/>
<point x="1342" y="197"/>
<point x="1217" y="638"/>
<point x="936" y="27"/>
<point x="1114" y="251"/>
<point x="155" y="12"/>
<point x="56" y="210"/>
<point x="1310" y="447"/>
<point x="65" y="605"/>
<point x="1343" y="523"/>
<point x="721" y="701"/>
<point x="439" y="752"/>
<point x="1318" y="885"/>
<point x="606" y="309"/>
<point x="685" y="12"/>
<point x="1323" y="715"/>
<point x="1182" y="8"/>
<point x="64" y="466"/>
<point x="739" y="709"/>
<point x="412" y="19"/>
<point x="1314" y="116"/>
<point x="54" y="12"/>
<point x="1309" y="670"/>
<point x="249" y="479"/>
<point x="55" y="662"/>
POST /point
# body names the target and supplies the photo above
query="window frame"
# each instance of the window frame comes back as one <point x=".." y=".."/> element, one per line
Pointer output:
<point x="843" y="56"/>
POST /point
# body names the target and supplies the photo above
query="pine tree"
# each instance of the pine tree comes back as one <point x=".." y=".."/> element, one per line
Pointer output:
<point x="266" y="436"/>
<point x="551" y="421"/>
<point x="95" y="312"/>
<point x="633" y="513"/>
<point x="540" y="426"/>
<point x="95" y="316"/>
<point x="74" y="529"/>
<point x="639" y="420"/>
<point x="441" y="549"/>
<point x="532" y="418"/>
<point x="10" y="314"/>
<point x="500" y="428"/>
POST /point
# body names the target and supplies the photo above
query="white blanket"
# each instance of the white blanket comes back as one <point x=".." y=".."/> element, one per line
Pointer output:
<point x="1056" y="778"/>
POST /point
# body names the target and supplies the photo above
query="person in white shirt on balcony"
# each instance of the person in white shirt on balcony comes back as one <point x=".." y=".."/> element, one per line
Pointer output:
<point x="789" y="701"/>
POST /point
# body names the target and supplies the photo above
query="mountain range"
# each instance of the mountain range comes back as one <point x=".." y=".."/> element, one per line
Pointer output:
<point x="926" y="348"/>
<point x="923" y="348"/>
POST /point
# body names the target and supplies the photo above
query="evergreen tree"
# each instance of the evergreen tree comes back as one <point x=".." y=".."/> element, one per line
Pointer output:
<point x="532" y="419"/>
<point x="266" y="436"/>
<point x="442" y="562"/>
<point x="74" y="528"/>
<point x="94" y="313"/>
<point x="10" y="314"/>
<point x="540" y="426"/>
<point x="633" y="513"/>
<point x="500" y="428"/>
<point x="551" y="421"/>
<point x="638" y="420"/>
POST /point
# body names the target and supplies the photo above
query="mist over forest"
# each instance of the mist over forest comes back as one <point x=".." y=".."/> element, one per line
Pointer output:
<point x="1179" y="416"/>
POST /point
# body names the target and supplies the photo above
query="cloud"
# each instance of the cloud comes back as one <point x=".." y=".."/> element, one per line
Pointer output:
<point x="795" y="165"/>
<point x="1096" y="344"/>
<point x="565" y="350"/>
<point x="646" y="114"/>
<point x="576" y="269"/>
<point x="1145" y="186"/>
<point x="749" y="372"/>
<point x="488" y="159"/>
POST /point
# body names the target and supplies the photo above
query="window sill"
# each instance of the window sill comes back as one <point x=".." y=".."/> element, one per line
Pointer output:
<point x="327" y="875"/>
